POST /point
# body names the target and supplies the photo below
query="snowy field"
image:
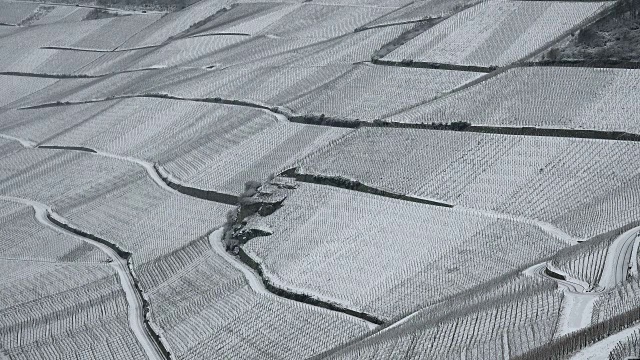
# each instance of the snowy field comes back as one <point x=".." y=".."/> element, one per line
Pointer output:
<point x="371" y="250"/>
<point x="497" y="33"/>
<point x="562" y="181"/>
<point x="546" y="97"/>
<point x="327" y="179"/>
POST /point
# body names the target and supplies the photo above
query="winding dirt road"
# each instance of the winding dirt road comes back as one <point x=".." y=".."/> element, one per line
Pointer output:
<point x="136" y="316"/>
<point x="579" y="298"/>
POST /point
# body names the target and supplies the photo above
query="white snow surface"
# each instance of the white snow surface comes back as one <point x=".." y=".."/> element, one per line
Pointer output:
<point x="616" y="265"/>
<point x="602" y="348"/>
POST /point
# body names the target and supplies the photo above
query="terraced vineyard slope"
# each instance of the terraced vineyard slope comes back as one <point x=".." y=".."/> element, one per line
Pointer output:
<point x="326" y="179"/>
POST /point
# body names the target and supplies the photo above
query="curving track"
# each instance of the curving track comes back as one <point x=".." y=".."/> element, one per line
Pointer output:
<point x="136" y="312"/>
<point x="579" y="296"/>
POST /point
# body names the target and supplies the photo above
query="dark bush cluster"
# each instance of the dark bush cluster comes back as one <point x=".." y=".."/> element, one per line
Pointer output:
<point x="253" y="201"/>
<point x="97" y="14"/>
<point x="149" y="4"/>
<point x="321" y="119"/>
<point x="453" y="126"/>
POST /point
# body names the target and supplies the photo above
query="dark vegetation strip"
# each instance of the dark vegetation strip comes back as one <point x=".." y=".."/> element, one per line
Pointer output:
<point x="215" y="100"/>
<point x="125" y="255"/>
<point x="355" y="185"/>
<point x="74" y="148"/>
<point x="210" y="195"/>
<point x="322" y="120"/>
<point x="303" y="298"/>
<point x="467" y="127"/>
<point x="587" y="63"/>
<point x="74" y="76"/>
<point x="507" y="130"/>
<point x="50" y="76"/>
<point x="98" y="50"/>
<point x="433" y="65"/>
<point x="219" y="34"/>
<point x="65" y="103"/>
<point x="555" y="132"/>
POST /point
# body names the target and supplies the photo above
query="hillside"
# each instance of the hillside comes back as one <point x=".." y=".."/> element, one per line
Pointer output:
<point x="319" y="179"/>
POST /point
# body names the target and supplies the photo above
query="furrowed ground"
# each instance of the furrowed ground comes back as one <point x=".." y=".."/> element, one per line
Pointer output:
<point x="319" y="179"/>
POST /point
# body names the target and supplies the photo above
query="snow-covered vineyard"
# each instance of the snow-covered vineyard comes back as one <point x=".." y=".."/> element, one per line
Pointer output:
<point x="319" y="179"/>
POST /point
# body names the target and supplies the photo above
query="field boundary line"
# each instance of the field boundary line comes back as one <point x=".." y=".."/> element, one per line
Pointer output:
<point x="434" y="65"/>
<point x="600" y="64"/>
<point x="356" y="185"/>
<point x="282" y="113"/>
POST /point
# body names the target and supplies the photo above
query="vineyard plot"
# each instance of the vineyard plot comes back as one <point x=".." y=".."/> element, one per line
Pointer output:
<point x="176" y="24"/>
<point x="326" y="179"/>
<point x="544" y="97"/>
<point x="113" y="199"/>
<point x="51" y="176"/>
<point x="23" y="238"/>
<point x="13" y="88"/>
<point x="206" y="310"/>
<point x="269" y="85"/>
<point x="420" y="10"/>
<point x="357" y="94"/>
<point x="269" y="151"/>
<point x="144" y="219"/>
<point x="34" y="42"/>
<point x="496" y="33"/>
<point x="319" y="21"/>
<point x="243" y="18"/>
<point x="563" y="181"/>
<point x="14" y="12"/>
<point x="62" y="14"/>
<point x="162" y="130"/>
<point x="385" y="256"/>
<point x="67" y="310"/>
<point x="493" y="322"/>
